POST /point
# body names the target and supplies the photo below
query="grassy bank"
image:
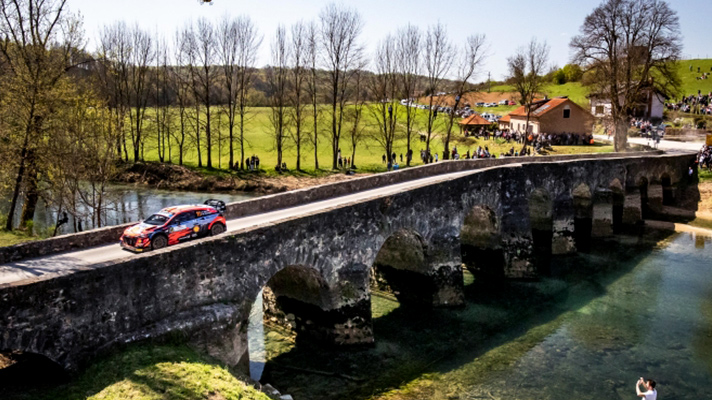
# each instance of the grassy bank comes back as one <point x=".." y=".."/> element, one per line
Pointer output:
<point x="150" y="372"/>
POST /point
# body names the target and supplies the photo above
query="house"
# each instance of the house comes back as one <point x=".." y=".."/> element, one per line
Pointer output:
<point x="650" y="106"/>
<point x="473" y="122"/>
<point x="557" y="115"/>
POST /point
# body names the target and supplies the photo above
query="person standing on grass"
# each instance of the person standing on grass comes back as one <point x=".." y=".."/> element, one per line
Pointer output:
<point x="649" y="392"/>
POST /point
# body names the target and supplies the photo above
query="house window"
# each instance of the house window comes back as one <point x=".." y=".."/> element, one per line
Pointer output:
<point x="599" y="110"/>
<point x="567" y="112"/>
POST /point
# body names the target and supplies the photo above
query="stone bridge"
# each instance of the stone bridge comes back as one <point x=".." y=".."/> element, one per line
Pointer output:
<point x="503" y="221"/>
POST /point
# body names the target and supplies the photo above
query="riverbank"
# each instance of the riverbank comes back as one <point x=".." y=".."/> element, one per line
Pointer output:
<point x="140" y="371"/>
<point x="176" y="177"/>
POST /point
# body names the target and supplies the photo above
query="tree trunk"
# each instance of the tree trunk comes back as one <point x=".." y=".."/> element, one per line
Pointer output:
<point x="621" y="137"/>
<point x="31" y="191"/>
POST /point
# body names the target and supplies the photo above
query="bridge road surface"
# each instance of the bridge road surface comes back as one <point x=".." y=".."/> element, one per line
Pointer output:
<point x="664" y="144"/>
<point x="67" y="262"/>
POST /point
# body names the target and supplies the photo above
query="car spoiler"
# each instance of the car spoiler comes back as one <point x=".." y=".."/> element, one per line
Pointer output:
<point x="216" y="204"/>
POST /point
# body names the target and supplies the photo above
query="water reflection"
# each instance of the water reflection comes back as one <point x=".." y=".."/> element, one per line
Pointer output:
<point x="123" y="204"/>
<point x="256" y="339"/>
<point x="654" y="322"/>
<point x="625" y="310"/>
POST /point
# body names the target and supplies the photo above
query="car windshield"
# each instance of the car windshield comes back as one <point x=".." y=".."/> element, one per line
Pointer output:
<point x="156" y="219"/>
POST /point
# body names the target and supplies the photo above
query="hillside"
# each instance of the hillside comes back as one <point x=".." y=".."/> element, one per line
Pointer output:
<point x="690" y="83"/>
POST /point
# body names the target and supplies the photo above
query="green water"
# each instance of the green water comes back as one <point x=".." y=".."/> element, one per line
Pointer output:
<point x="625" y="310"/>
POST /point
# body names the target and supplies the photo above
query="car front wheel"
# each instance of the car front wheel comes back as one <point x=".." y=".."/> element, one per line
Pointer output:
<point x="159" y="242"/>
<point x="217" y="229"/>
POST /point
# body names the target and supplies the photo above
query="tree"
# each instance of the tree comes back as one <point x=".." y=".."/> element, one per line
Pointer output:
<point x="113" y="75"/>
<point x="183" y="89"/>
<point x="572" y="72"/>
<point x="277" y="76"/>
<point x="141" y="56"/>
<point x="526" y="72"/>
<point x="340" y="29"/>
<point x="313" y="86"/>
<point x="204" y="39"/>
<point x="248" y="43"/>
<point x="632" y="46"/>
<point x="470" y="60"/>
<point x="41" y="41"/>
<point x="408" y="48"/>
<point x="299" y="58"/>
<point x="383" y="87"/>
<point x="438" y="59"/>
<point x="355" y="114"/>
<point x="227" y="52"/>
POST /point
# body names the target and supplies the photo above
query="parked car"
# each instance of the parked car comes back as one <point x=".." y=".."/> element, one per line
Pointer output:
<point x="512" y="103"/>
<point x="480" y="104"/>
<point x="174" y="225"/>
<point x="503" y="102"/>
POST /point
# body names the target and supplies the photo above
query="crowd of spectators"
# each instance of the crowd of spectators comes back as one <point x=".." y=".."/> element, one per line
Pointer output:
<point x="697" y="104"/>
<point x="559" y="139"/>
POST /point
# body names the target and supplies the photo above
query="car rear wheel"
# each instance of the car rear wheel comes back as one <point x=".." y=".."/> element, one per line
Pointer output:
<point x="159" y="242"/>
<point x="217" y="229"/>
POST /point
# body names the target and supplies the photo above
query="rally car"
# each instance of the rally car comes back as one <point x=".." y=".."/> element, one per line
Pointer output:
<point x="174" y="225"/>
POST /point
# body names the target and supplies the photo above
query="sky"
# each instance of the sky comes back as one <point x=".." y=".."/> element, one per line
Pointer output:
<point x="507" y="24"/>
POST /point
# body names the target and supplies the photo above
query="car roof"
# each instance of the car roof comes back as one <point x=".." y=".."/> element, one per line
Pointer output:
<point x="173" y="210"/>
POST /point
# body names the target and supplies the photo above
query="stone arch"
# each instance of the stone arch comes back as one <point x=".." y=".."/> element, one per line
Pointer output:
<point x="644" y="204"/>
<point x="668" y="190"/>
<point x="420" y="271"/>
<point x="481" y="247"/>
<point x="542" y="224"/>
<point x="300" y="298"/>
<point x="583" y="216"/>
<point x="400" y="267"/>
<point x="618" y="203"/>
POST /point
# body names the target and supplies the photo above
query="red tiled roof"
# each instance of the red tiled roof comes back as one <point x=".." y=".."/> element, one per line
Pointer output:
<point x="506" y="118"/>
<point x="474" y="119"/>
<point x="540" y="107"/>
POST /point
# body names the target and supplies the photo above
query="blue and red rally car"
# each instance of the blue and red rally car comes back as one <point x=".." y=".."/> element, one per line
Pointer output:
<point x="174" y="225"/>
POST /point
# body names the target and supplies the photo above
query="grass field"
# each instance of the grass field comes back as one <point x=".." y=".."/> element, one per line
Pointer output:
<point x="690" y="83"/>
<point x="369" y="152"/>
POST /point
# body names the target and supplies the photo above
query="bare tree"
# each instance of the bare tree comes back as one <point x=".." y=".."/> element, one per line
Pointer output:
<point x="340" y="29"/>
<point x="206" y="76"/>
<point x="632" y="46"/>
<point x="113" y="74"/>
<point x="438" y="59"/>
<point x="526" y="72"/>
<point x="191" y="50"/>
<point x="277" y="79"/>
<point x="299" y="59"/>
<point x="355" y="114"/>
<point x="383" y="87"/>
<point x="228" y="52"/>
<point x="182" y="88"/>
<point x="313" y="85"/>
<point x="40" y="43"/>
<point x="140" y="59"/>
<point x="409" y="41"/>
<point x="248" y="43"/>
<point x="469" y="62"/>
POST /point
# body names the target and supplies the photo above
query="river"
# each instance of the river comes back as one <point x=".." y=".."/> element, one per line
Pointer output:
<point x="629" y="308"/>
<point x="123" y="204"/>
